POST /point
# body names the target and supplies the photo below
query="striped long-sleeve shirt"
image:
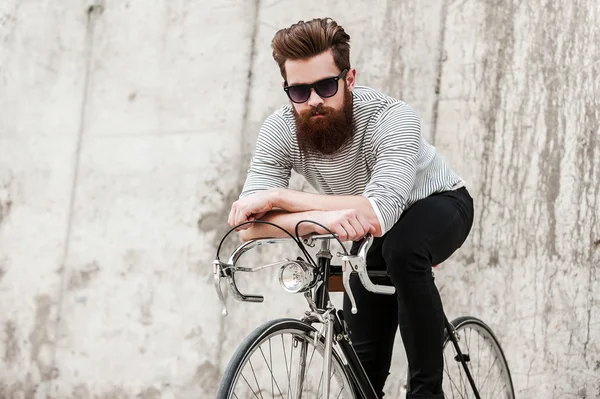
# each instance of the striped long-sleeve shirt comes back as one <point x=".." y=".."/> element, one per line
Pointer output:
<point x="388" y="161"/>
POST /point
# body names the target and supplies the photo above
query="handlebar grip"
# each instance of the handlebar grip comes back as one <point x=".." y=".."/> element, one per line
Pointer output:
<point x="242" y="297"/>
<point x="375" y="288"/>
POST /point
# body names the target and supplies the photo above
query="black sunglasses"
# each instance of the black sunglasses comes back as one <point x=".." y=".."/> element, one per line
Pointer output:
<point x="324" y="88"/>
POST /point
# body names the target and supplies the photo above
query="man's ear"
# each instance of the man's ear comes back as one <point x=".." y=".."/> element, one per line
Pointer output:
<point x="351" y="78"/>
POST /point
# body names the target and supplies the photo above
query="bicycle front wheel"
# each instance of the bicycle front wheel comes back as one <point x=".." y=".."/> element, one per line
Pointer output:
<point x="280" y="359"/>
<point x="483" y="357"/>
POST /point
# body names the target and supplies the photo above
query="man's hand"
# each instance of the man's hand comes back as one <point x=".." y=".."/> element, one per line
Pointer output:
<point x="348" y="224"/>
<point x="250" y="208"/>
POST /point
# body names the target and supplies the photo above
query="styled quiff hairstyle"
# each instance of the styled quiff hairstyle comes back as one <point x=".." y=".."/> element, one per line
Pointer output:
<point x="307" y="39"/>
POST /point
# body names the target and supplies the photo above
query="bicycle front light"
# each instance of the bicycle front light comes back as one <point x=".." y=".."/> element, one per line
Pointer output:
<point x="296" y="276"/>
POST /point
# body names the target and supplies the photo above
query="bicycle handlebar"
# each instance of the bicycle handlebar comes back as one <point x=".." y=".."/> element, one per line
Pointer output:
<point x="227" y="270"/>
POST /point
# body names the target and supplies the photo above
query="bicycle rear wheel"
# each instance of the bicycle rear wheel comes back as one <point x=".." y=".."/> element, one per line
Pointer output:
<point x="484" y="358"/>
<point x="280" y="359"/>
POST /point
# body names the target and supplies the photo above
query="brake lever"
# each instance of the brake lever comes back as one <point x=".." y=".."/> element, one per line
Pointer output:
<point x="347" y="269"/>
<point x="217" y="272"/>
<point x="363" y="250"/>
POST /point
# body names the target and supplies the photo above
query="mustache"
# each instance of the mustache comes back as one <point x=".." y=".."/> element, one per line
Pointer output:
<point x="318" y="110"/>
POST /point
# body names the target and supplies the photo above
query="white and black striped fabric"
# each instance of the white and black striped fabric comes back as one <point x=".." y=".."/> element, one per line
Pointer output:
<point x="388" y="160"/>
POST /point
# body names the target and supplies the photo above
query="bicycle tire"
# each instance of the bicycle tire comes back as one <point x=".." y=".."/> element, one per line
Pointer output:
<point x="260" y="335"/>
<point x="461" y="324"/>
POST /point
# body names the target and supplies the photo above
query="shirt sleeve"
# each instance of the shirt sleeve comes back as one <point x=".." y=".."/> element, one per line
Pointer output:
<point x="396" y="145"/>
<point x="270" y="166"/>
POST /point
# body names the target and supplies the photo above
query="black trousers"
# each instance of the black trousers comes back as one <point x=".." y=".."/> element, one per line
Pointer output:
<point x="427" y="234"/>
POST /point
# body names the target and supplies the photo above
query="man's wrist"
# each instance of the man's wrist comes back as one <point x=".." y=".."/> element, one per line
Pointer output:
<point x="275" y="197"/>
<point x="309" y="228"/>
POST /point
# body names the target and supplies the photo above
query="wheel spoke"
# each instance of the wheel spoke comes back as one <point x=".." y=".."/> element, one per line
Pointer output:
<point x="457" y="388"/>
<point x="319" y="388"/>
<point x="330" y="377"/>
<point x="450" y="378"/>
<point x="302" y="369"/>
<point x="288" y="372"/>
<point x="311" y="356"/>
<point x="478" y="342"/>
<point x="489" y="371"/>
<point x="291" y="361"/>
<point x="247" y="383"/>
<point x="271" y="371"/>
<point x="255" y="379"/>
<point x="494" y="388"/>
<point x="460" y="366"/>
<point x="468" y="334"/>
<point x="310" y="361"/>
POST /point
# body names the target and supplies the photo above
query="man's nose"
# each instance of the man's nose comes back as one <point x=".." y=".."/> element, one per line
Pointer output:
<point x="314" y="100"/>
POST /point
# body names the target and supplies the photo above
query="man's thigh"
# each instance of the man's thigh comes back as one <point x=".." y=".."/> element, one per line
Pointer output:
<point x="433" y="228"/>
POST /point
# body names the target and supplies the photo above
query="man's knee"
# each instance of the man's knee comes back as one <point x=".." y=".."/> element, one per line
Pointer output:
<point x="405" y="257"/>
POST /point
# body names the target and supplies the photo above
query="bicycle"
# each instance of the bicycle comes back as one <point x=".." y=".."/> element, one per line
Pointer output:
<point x="251" y="372"/>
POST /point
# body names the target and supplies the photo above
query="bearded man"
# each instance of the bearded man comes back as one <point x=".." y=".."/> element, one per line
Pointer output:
<point x="374" y="172"/>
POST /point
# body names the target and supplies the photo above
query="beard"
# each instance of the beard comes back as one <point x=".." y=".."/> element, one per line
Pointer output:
<point x="329" y="133"/>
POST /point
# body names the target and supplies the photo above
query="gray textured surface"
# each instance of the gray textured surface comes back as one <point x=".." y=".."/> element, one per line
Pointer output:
<point x="521" y="98"/>
<point x="125" y="132"/>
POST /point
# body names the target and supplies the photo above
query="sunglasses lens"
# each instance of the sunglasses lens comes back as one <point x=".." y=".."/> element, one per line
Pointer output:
<point x="327" y="87"/>
<point x="299" y="94"/>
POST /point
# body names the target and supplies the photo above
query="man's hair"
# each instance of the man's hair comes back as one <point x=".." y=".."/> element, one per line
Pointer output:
<point x="307" y="39"/>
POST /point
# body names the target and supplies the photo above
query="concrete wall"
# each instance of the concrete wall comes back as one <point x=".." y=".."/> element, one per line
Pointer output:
<point x="125" y="131"/>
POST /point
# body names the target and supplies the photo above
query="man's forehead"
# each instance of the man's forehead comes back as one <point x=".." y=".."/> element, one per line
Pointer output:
<point x="311" y="70"/>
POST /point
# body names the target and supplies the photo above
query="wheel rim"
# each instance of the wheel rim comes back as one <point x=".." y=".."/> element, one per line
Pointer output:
<point x="286" y="364"/>
<point x="486" y="363"/>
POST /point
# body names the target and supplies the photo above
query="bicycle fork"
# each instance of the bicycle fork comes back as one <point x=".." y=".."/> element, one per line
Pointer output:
<point x="328" y="326"/>
<point x="301" y="370"/>
<point x="327" y="320"/>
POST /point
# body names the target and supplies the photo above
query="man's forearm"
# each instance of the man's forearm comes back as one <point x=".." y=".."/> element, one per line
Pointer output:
<point x="298" y="201"/>
<point x="286" y="220"/>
